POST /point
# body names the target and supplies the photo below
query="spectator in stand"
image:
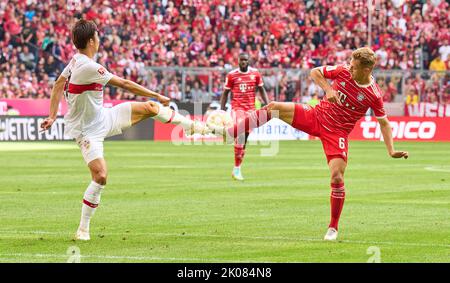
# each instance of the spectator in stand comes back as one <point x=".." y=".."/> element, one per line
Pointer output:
<point x="444" y="51"/>
<point x="51" y="68"/>
<point x="11" y="24"/>
<point x="418" y="84"/>
<point x="437" y="64"/>
<point x="412" y="97"/>
<point x="28" y="34"/>
<point x="27" y="58"/>
<point x="382" y="57"/>
<point x="198" y="95"/>
<point x="174" y="92"/>
<point x="314" y="89"/>
<point x="432" y="89"/>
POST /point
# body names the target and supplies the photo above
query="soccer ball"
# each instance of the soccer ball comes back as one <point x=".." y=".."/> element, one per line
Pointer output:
<point x="219" y="118"/>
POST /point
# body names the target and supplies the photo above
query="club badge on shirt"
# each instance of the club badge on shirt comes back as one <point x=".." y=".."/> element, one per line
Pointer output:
<point x="101" y="71"/>
<point x="360" y="97"/>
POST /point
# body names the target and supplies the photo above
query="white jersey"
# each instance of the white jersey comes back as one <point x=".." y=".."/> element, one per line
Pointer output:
<point x="84" y="95"/>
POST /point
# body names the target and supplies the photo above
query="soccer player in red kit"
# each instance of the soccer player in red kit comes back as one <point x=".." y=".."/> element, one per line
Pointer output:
<point x="347" y="99"/>
<point x="243" y="83"/>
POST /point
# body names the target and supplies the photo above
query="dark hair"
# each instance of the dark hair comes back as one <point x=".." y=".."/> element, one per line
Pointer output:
<point x="244" y="54"/>
<point x="82" y="32"/>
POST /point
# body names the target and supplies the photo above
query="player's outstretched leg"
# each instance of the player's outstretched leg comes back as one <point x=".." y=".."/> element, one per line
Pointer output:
<point x="337" y="197"/>
<point x="150" y="109"/>
<point x="282" y="110"/>
<point x="91" y="198"/>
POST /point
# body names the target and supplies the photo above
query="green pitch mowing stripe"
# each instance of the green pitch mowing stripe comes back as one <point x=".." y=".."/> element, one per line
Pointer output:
<point x="168" y="203"/>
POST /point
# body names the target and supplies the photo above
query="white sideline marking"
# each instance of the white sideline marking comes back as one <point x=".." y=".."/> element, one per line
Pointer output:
<point x="20" y="146"/>
<point x="437" y="169"/>
<point x="281" y="238"/>
<point x="123" y="257"/>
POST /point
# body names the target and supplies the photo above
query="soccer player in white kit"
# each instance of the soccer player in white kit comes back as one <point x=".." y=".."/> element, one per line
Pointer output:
<point x="88" y="122"/>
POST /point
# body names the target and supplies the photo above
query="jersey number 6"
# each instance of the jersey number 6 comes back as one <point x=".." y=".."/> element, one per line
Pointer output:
<point x="341" y="143"/>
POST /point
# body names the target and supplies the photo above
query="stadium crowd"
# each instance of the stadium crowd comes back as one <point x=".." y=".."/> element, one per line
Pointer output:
<point x="35" y="42"/>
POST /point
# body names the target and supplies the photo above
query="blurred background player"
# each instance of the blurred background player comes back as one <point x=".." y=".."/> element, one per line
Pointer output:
<point x="243" y="83"/>
<point x="89" y="123"/>
<point x="347" y="100"/>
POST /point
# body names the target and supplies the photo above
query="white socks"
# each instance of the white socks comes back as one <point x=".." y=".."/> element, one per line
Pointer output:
<point x="91" y="200"/>
<point x="167" y="115"/>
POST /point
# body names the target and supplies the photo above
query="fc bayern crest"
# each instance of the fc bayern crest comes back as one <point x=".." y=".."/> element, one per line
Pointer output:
<point x="360" y="97"/>
<point x="252" y="77"/>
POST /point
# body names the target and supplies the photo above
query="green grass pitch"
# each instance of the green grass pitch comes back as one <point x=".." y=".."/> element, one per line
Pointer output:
<point x="168" y="203"/>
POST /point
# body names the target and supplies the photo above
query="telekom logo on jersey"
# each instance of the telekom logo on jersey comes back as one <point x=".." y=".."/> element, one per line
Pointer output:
<point x="400" y="129"/>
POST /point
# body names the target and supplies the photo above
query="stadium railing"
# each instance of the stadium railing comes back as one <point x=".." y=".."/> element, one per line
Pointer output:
<point x="290" y="84"/>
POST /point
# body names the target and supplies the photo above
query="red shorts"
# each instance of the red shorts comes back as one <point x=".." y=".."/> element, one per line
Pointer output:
<point x="238" y="115"/>
<point x="335" y="145"/>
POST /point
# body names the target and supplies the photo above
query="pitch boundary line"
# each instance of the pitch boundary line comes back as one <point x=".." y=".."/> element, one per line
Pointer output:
<point x="434" y="169"/>
<point x="304" y="239"/>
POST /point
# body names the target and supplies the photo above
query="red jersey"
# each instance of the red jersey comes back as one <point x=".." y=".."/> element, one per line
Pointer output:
<point x="243" y="87"/>
<point x="356" y="99"/>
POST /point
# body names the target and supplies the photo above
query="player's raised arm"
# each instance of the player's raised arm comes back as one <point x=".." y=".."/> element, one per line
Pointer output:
<point x="320" y="79"/>
<point x="386" y="131"/>
<point x="137" y="89"/>
<point x="57" y="92"/>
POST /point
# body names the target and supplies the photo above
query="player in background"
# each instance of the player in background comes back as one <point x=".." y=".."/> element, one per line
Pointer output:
<point x="347" y="100"/>
<point x="88" y="122"/>
<point x="243" y="83"/>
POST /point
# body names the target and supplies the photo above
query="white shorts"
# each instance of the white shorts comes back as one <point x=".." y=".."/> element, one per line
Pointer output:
<point x="115" y="120"/>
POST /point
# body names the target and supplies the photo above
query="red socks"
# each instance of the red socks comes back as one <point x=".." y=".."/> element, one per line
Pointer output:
<point x="253" y="120"/>
<point x="239" y="153"/>
<point x="337" y="203"/>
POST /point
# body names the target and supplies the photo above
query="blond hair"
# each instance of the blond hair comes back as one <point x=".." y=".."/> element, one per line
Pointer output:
<point x="365" y="56"/>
